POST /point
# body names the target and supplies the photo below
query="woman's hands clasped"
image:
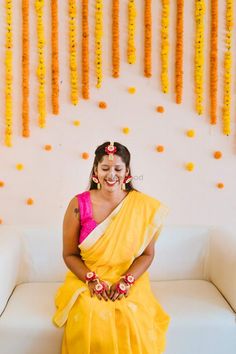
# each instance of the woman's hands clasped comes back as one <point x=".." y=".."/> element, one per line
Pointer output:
<point x="115" y="292"/>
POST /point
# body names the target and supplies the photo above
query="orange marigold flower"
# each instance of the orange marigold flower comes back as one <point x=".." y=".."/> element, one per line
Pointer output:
<point x="85" y="155"/>
<point x="217" y="154"/>
<point x="160" y="109"/>
<point x="160" y="148"/>
<point x="220" y="185"/>
<point x="30" y="201"/>
<point x="2" y="184"/>
<point x="48" y="147"/>
<point x="102" y="105"/>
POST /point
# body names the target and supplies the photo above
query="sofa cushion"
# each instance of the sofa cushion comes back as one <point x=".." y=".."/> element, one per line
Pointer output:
<point x="202" y="321"/>
<point x="199" y="314"/>
<point x="26" y="321"/>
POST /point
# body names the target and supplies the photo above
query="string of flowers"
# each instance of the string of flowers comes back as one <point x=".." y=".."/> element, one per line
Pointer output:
<point x="213" y="61"/>
<point x="148" y="38"/>
<point x="179" y="52"/>
<point x="131" y="50"/>
<point x="73" y="52"/>
<point x="165" y="45"/>
<point x="98" y="41"/>
<point x="227" y="67"/>
<point x="25" y="69"/>
<point x="85" y="50"/>
<point x="55" y="64"/>
<point x="115" y="39"/>
<point x="8" y="78"/>
<point x="41" y="69"/>
<point x="199" y="55"/>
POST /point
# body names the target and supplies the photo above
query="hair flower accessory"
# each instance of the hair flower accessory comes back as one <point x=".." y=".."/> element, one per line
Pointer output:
<point x="111" y="150"/>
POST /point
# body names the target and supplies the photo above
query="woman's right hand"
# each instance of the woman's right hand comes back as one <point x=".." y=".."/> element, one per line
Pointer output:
<point x="104" y="295"/>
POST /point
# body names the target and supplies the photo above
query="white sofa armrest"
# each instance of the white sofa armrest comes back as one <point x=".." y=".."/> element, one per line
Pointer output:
<point x="10" y="246"/>
<point x="222" y="262"/>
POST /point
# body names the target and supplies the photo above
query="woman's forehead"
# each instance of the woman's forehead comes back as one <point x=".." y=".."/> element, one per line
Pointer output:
<point x="117" y="161"/>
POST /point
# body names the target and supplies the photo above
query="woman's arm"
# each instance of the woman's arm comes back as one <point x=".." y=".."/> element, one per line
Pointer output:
<point x="71" y="252"/>
<point x="143" y="262"/>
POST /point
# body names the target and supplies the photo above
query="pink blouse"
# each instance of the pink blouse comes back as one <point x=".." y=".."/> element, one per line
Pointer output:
<point x="87" y="223"/>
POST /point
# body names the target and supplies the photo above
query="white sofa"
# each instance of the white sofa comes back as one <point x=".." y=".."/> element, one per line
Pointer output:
<point x="193" y="276"/>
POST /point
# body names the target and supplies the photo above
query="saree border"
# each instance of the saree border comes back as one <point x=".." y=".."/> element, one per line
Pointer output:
<point x="99" y="230"/>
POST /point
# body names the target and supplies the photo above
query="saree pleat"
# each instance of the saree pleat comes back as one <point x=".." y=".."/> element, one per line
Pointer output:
<point x="133" y="325"/>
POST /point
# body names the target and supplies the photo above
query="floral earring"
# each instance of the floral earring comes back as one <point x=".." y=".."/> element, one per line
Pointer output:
<point x="96" y="180"/>
<point x="127" y="179"/>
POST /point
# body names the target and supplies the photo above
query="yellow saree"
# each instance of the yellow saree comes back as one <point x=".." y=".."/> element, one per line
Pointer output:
<point x="136" y="324"/>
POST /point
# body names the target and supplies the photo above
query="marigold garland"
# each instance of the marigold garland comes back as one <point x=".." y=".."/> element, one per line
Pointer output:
<point x="85" y="50"/>
<point x="41" y="69"/>
<point x="227" y="67"/>
<point x="199" y="55"/>
<point x="131" y="50"/>
<point x="55" y="63"/>
<point x="8" y="77"/>
<point x="213" y="61"/>
<point x="165" y="45"/>
<point x="179" y="51"/>
<point x="73" y="52"/>
<point x="25" y="68"/>
<point x="148" y="38"/>
<point x="98" y="41"/>
<point x="115" y="38"/>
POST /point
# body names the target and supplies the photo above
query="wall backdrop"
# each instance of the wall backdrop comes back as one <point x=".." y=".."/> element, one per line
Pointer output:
<point x="39" y="190"/>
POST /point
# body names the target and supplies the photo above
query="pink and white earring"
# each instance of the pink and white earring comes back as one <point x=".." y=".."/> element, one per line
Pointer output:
<point x="96" y="180"/>
<point x="127" y="179"/>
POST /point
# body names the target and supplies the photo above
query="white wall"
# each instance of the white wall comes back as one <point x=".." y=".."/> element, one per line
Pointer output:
<point x="53" y="178"/>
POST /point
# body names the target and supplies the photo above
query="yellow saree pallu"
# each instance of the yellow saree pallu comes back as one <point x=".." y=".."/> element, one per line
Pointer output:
<point x="136" y="324"/>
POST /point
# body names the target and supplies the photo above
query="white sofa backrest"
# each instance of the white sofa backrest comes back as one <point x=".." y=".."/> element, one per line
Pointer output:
<point x="180" y="253"/>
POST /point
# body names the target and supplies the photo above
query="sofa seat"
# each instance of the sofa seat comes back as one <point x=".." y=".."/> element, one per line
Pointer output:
<point x="197" y="309"/>
<point x="193" y="276"/>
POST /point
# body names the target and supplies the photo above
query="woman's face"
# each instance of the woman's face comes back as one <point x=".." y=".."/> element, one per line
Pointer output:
<point x="111" y="173"/>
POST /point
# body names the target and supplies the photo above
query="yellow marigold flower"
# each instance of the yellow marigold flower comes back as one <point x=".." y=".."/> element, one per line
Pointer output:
<point x="190" y="166"/>
<point x="131" y="90"/>
<point x="190" y="133"/>
<point x="19" y="166"/>
<point x="126" y="130"/>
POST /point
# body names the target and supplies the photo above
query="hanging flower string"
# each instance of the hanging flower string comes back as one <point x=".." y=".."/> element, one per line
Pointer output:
<point x="41" y="69"/>
<point x="213" y="61"/>
<point x="25" y="69"/>
<point x="8" y="78"/>
<point x="73" y="52"/>
<point x="179" y="52"/>
<point x="148" y="38"/>
<point x="199" y="55"/>
<point x="165" y="45"/>
<point x="55" y="64"/>
<point x="115" y="39"/>
<point x="131" y="51"/>
<point x="85" y="50"/>
<point x="227" y="67"/>
<point x="98" y="41"/>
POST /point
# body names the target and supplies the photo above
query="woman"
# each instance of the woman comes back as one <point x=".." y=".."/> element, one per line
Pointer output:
<point x="109" y="232"/>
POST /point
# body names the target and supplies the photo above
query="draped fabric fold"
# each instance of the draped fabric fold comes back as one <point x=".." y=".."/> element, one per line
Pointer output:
<point x="133" y="325"/>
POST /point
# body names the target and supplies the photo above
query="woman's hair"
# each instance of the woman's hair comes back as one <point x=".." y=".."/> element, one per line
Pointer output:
<point x="100" y="152"/>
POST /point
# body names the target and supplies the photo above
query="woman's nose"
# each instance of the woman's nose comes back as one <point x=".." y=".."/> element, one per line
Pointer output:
<point x="111" y="174"/>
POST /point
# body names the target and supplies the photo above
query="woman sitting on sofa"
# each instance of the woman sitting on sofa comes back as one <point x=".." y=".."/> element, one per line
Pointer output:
<point x="109" y="232"/>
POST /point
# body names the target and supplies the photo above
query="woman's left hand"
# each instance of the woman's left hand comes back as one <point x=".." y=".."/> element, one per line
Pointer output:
<point x="114" y="295"/>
